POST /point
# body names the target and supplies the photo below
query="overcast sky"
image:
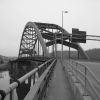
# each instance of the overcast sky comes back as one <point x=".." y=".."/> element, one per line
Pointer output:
<point x="14" y="14"/>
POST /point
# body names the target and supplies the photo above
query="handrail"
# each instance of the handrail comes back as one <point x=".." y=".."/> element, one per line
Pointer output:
<point x="85" y="81"/>
<point x="93" y="92"/>
<point x="92" y="74"/>
<point x="17" y="82"/>
<point x="37" y="91"/>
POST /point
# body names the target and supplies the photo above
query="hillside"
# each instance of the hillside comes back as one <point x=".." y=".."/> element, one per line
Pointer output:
<point x="4" y="59"/>
<point x="73" y="54"/>
<point x="94" y="54"/>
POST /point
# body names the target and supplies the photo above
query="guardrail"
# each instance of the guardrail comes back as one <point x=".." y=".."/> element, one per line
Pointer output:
<point x="89" y="82"/>
<point x="40" y="70"/>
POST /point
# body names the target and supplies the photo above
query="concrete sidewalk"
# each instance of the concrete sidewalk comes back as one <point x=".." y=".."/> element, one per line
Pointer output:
<point x="59" y="87"/>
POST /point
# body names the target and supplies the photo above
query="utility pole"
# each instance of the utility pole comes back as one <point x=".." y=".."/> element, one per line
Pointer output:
<point x="62" y="36"/>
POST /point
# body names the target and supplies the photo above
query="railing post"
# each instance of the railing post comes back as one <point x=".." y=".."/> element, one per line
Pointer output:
<point x="85" y="80"/>
<point x="12" y="95"/>
<point x="33" y="79"/>
<point x="12" y="92"/>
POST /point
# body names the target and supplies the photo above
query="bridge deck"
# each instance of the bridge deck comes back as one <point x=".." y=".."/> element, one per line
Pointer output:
<point x="59" y="87"/>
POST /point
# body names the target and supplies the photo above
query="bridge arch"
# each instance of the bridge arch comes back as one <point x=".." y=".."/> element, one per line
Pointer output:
<point x="29" y="38"/>
<point x="46" y="34"/>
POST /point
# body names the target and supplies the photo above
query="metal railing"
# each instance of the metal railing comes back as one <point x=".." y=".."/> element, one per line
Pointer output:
<point x="18" y="82"/>
<point x="89" y="82"/>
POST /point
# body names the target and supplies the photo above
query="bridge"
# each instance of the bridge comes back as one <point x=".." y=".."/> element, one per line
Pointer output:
<point x="37" y="74"/>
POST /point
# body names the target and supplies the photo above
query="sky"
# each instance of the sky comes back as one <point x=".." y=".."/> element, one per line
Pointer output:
<point x="14" y="14"/>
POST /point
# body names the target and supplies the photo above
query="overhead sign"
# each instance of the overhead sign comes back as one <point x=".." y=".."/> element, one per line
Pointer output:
<point x="78" y="36"/>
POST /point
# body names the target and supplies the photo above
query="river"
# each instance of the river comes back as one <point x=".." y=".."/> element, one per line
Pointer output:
<point x="4" y="82"/>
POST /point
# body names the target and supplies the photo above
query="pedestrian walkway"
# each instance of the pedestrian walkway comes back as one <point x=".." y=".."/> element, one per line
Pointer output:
<point x="59" y="87"/>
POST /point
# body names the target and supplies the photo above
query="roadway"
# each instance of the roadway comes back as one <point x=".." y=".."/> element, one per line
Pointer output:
<point x="94" y="66"/>
<point x="59" y="87"/>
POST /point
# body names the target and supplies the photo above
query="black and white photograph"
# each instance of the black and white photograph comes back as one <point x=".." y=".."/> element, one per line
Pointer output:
<point x="49" y="49"/>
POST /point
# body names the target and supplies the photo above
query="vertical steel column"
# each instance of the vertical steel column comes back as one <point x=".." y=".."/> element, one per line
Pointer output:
<point x="53" y="44"/>
<point x="38" y="47"/>
<point x="78" y="54"/>
<point x="42" y="53"/>
<point x="62" y="35"/>
<point x="34" y="50"/>
<point x="55" y="47"/>
<point x="52" y="50"/>
<point x="48" y="47"/>
<point x="62" y="46"/>
<point x="62" y="39"/>
<point x="69" y="47"/>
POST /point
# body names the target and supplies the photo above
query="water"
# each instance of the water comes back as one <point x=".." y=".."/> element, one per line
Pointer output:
<point x="4" y="82"/>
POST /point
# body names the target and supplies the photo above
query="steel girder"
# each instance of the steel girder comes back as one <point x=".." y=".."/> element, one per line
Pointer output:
<point x="64" y="43"/>
<point x="29" y="38"/>
<point x="56" y="32"/>
<point x="72" y="45"/>
<point x="50" y="32"/>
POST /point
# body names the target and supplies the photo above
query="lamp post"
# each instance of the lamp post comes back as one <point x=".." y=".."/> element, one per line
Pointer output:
<point x="62" y="35"/>
<point x="62" y="16"/>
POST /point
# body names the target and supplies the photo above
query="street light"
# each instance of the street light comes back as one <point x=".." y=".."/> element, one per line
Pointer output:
<point x="62" y="16"/>
<point x="62" y="34"/>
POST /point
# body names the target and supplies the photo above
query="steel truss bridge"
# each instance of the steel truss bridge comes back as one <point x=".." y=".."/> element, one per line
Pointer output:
<point x="34" y="69"/>
<point x="36" y="35"/>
